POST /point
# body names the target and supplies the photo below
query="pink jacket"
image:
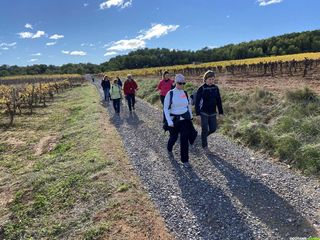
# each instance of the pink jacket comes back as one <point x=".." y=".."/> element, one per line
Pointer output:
<point x="164" y="86"/>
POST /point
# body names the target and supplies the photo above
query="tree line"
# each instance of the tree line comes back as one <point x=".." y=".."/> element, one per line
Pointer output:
<point x="292" y="43"/>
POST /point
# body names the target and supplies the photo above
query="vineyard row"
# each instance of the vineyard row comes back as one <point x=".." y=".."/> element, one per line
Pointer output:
<point x="288" y="64"/>
<point x="17" y="97"/>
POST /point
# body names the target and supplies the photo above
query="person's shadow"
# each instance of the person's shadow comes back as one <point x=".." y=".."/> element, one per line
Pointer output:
<point x="215" y="214"/>
<point x="133" y="119"/>
<point x="263" y="202"/>
<point x="116" y="119"/>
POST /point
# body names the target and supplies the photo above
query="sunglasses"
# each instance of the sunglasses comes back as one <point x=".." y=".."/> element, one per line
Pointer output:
<point x="181" y="83"/>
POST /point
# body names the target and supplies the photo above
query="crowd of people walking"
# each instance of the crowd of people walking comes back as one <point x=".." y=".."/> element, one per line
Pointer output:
<point x="177" y="107"/>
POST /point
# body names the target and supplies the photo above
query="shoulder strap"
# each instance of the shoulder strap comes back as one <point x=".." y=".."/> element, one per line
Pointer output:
<point x="187" y="95"/>
<point x="171" y="96"/>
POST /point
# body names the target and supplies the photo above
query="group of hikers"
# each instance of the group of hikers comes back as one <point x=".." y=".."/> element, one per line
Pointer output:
<point x="177" y="112"/>
<point x="113" y="91"/>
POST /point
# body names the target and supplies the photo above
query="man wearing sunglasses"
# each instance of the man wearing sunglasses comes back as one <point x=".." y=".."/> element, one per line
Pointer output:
<point x="178" y="115"/>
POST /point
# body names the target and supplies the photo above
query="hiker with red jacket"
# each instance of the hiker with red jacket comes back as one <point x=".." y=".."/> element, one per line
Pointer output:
<point x="129" y="88"/>
<point x="164" y="85"/>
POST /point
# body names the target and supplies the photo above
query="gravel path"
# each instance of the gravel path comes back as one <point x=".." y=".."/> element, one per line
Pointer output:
<point x="228" y="192"/>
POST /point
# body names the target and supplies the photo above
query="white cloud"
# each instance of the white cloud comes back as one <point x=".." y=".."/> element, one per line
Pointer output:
<point x="78" y="53"/>
<point x="157" y="30"/>
<point x="74" y="53"/>
<point x="36" y="54"/>
<point x="38" y="34"/>
<point x="110" y="53"/>
<point x="86" y="4"/>
<point x="268" y="2"/>
<point x="25" y="34"/>
<point x="33" y="60"/>
<point x="87" y="44"/>
<point x="51" y="43"/>
<point x="130" y="44"/>
<point x="115" y="3"/>
<point x="56" y="36"/>
<point x="8" y="44"/>
<point x="28" y="25"/>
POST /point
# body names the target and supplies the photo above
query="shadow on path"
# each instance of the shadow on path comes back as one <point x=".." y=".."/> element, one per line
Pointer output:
<point x="216" y="216"/>
<point x="263" y="202"/>
<point x="215" y="213"/>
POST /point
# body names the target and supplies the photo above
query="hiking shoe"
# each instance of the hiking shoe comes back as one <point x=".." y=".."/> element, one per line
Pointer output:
<point x="186" y="165"/>
<point x="170" y="153"/>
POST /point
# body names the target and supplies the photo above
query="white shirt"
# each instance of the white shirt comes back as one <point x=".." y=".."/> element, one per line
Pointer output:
<point x="180" y="105"/>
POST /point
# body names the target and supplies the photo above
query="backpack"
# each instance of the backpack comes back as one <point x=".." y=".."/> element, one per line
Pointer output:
<point x="193" y="96"/>
<point x="165" y="123"/>
<point x="113" y="93"/>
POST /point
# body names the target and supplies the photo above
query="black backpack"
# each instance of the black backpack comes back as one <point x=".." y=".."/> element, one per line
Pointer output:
<point x="194" y="94"/>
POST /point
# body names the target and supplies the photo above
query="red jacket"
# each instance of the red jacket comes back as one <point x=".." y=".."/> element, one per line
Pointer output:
<point x="130" y="87"/>
<point x="164" y="86"/>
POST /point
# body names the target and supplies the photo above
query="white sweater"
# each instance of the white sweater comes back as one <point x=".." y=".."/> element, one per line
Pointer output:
<point x="180" y="105"/>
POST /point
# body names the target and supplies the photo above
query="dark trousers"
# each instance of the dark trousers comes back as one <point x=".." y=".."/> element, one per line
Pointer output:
<point x="208" y="126"/>
<point x="116" y="105"/>
<point x="184" y="128"/>
<point x="162" y="99"/>
<point x="106" y="94"/>
<point x="131" y="101"/>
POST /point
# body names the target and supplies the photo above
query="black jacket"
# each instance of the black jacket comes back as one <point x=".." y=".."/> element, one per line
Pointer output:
<point x="105" y="84"/>
<point x="208" y="99"/>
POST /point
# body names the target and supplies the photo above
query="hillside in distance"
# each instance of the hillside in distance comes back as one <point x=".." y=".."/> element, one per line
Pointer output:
<point x="292" y="43"/>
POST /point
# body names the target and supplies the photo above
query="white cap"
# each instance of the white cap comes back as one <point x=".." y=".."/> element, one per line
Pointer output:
<point x="179" y="78"/>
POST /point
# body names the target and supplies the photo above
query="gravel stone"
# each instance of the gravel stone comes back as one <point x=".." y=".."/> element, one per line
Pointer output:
<point x="227" y="192"/>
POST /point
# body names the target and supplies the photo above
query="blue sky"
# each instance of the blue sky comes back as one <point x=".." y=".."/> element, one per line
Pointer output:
<point x="72" y="31"/>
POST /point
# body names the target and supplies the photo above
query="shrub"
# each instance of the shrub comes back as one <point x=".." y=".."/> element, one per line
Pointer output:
<point x="154" y="97"/>
<point x="287" y="124"/>
<point x="301" y="95"/>
<point x="308" y="159"/>
<point x="287" y="146"/>
<point x="310" y="128"/>
<point x="250" y="133"/>
<point x="268" y="140"/>
<point x="190" y="87"/>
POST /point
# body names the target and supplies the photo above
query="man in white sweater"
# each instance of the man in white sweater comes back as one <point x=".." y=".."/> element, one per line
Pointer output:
<point x="178" y="115"/>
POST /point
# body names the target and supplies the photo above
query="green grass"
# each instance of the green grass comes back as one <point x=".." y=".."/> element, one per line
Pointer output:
<point x="59" y="193"/>
<point x="281" y="125"/>
<point x="58" y="181"/>
<point x="285" y="126"/>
